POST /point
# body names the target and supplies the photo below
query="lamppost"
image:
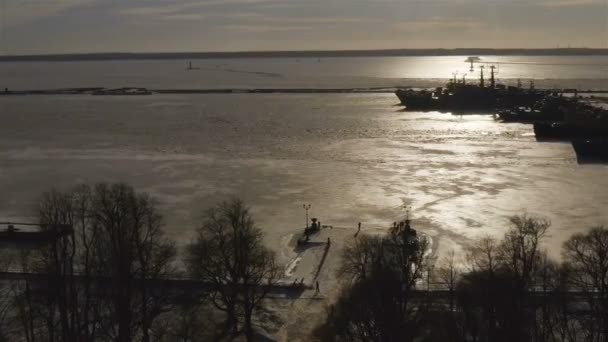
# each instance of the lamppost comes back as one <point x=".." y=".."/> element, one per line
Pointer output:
<point x="306" y="207"/>
<point x="408" y="209"/>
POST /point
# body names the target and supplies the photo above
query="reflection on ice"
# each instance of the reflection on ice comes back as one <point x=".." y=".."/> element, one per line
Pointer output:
<point x="352" y="156"/>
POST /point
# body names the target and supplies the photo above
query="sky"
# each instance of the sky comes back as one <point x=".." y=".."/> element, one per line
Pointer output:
<point x="80" y="26"/>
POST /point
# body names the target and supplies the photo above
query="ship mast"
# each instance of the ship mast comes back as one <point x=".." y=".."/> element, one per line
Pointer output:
<point x="472" y="61"/>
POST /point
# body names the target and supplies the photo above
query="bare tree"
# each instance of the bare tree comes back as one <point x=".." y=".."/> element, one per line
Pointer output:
<point x="7" y="259"/>
<point x="376" y="304"/>
<point x="474" y="293"/>
<point x="449" y="274"/>
<point x="57" y="261"/>
<point x="189" y="321"/>
<point x="86" y="234"/>
<point x="133" y="253"/>
<point x="51" y="311"/>
<point x="586" y="255"/>
<point x="494" y="295"/>
<point x="375" y="308"/>
<point x="358" y="257"/>
<point x="483" y="255"/>
<point x="101" y="277"/>
<point x="520" y="248"/>
<point x="554" y="307"/>
<point x="229" y="255"/>
<point x="27" y="312"/>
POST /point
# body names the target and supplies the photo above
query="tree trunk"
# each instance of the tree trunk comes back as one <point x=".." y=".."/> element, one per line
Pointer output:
<point x="248" y="324"/>
<point x="231" y="326"/>
<point x="123" y="306"/>
<point x="124" y="320"/>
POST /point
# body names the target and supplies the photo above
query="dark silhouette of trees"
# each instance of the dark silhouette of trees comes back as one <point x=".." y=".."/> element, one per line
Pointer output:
<point x="586" y="257"/>
<point x="65" y="308"/>
<point x="376" y="304"/>
<point x="449" y="273"/>
<point x="101" y="278"/>
<point x="106" y="279"/>
<point x="520" y="250"/>
<point x="57" y="260"/>
<point x="483" y="255"/>
<point x="512" y="292"/>
<point x="554" y="320"/>
<point x="133" y="253"/>
<point x="359" y="256"/>
<point x="374" y="309"/>
<point x="6" y="301"/>
<point x="188" y="321"/>
<point x="229" y="255"/>
<point x="494" y="296"/>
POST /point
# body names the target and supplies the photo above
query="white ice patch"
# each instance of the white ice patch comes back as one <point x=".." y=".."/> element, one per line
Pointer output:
<point x="291" y="266"/>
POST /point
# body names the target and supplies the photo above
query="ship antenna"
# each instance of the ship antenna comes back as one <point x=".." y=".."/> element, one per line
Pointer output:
<point x="481" y="80"/>
<point x="492" y="79"/>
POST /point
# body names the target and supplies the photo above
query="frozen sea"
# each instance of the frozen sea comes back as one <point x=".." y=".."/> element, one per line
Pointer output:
<point x="353" y="157"/>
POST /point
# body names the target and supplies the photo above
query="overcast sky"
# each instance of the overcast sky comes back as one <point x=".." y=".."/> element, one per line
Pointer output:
<point x="63" y="26"/>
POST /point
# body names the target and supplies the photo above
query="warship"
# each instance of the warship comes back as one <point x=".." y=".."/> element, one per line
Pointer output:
<point x="460" y="96"/>
<point x="573" y="120"/>
<point x="592" y="149"/>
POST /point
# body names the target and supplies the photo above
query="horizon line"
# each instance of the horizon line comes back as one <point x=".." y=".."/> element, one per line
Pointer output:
<point x="304" y="53"/>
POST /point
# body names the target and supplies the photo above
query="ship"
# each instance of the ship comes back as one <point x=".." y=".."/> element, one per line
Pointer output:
<point x="578" y="121"/>
<point x="566" y="131"/>
<point x="556" y="131"/>
<point x="458" y="96"/>
<point x="520" y="114"/>
<point x="591" y="149"/>
<point x="548" y="110"/>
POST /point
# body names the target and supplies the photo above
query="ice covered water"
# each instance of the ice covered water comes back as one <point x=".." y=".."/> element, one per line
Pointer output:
<point x="354" y="157"/>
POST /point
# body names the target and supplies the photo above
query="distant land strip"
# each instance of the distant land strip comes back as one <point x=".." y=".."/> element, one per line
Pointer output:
<point x="143" y="91"/>
<point x="302" y="54"/>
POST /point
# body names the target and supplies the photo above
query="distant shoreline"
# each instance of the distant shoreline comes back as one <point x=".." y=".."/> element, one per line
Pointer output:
<point x="100" y="91"/>
<point x="301" y="54"/>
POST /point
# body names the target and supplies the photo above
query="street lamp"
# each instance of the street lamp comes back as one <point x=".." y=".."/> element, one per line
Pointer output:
<point x="408" y="209"/>
<point x="306" y="207"/>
